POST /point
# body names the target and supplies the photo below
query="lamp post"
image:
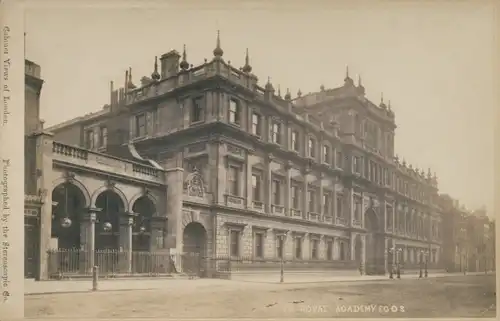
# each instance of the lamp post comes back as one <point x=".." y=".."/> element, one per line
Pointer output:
<point x="391" y="268"/>
<point x="426" y="258"/>
<point x="398" y="253"/>
<point x="282" y="263"/>
<point x="421" y="263"/>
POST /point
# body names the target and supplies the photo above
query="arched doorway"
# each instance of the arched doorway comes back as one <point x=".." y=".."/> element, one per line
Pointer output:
<point x="141" y="230"/>
<point x="66" y="215"/>
<point x="107" y="234"/>
<point x="193" y="248"/>
<point x="194" y="238"/>
<point x="374" y="244"/>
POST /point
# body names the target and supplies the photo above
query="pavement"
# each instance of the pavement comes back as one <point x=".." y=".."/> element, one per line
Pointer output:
<point x="32" y="287"/>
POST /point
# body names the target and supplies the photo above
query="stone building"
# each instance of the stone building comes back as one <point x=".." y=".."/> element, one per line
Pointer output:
<point x="468" y="238"/>
<point x="228" y="168"/>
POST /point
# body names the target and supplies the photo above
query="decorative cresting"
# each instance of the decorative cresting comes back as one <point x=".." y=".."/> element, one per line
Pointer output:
<point x="194" y="185"/>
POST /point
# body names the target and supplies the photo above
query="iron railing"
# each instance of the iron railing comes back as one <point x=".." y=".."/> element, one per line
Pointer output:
<point x="227" y="264"/>
<point x="113" y="263"/>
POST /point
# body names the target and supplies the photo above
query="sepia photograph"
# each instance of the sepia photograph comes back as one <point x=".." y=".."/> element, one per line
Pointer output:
<point x="264" y="160"/>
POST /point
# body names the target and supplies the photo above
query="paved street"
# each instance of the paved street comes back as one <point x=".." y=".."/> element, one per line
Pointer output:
<point x="453" y="296"/>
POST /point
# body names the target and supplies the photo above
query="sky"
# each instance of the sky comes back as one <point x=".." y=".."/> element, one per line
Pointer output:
<point x="433" y="60"/>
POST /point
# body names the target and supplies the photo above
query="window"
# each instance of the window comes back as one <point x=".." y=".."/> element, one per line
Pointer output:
<point x="389" y="216"/>
<point x="357" y="208"/>
<point x="104" y="136"/>
<point x="338" y="160"/>
<point x="279" y="246"/>
<point x="311" y="151"/>
<point x="275" y="133"/>
<point x="329" y="250"/>
<point x="90" y="139"/>
<point x="197" y="110"/>
<point x="326" y="203"/>
<point x="276" y="192"/>
<point x="256" y="124"/>
<point x="314" y="249"/>
<point x="256" y="186"/>
<point x="312" y="201"/>
<point x="140" y="124"/>
<point x="326" y="154"/>
<point x="295" y="141"/>
<point x="233" y="180"/>
<point x="342" y="251"/>
<point x="298" y="248"/>
<point x="234" y="112"/>
<point x="235" y="243"/>
<point x="259" y="245"/>
<point x="295" y="197"/>
<point x="356" y="164"/>
<point x="339" y="206"/>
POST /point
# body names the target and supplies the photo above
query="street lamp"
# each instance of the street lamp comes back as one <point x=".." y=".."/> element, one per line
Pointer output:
<point x="282" y="263"/>
<point x="106" y="226"/>
<point x="398" y="254"/>
<point x="421" y="263"/>
<point x="426" y="257"/>
<point x="66" y="222"/>
<point x="391" y="252"/>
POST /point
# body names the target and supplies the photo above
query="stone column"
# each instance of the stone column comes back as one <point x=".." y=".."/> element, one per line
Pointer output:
<point x="351" y="206"/>
<point x="268" y="199"/>
<point x="352" y="253"/>
<point x="174" y="180"/>
<point x="221" y="173"/>
<point x="248" y="174"/>
<point x="87" y="241"/>
<point x="125" y="258"/>
<point x="393" y="216"/>
<point x="321" y="211"/>
<point x="334" y="202"/>
<point x="288" y="189"/>
<point x="305" y="197"/>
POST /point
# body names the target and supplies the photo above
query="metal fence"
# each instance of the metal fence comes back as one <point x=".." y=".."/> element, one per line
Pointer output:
<point x="112" y="263"/>
<point x="228" y="265"/>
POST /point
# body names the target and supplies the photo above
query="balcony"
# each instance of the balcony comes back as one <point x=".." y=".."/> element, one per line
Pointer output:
<point x="258" y="206"/>
<point x="313" y="216"/>
<point x="341" y="221"/>
<point x="235" y="201"/>
<point x="87" y="159"/>
<point x="356" y="223"/>
<point x="278" y="209"/>
<point x="295" y="213"/>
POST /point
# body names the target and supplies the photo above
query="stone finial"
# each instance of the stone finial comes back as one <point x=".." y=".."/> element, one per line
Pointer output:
<point x="184" y="65"/>
<point x="247" y="68"/>
<point x="218" y="52"/>
<point x="155" y="75"/>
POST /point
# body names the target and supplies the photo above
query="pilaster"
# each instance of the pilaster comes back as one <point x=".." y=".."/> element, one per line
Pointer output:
<point x="221" y="172"/>
<point x="248" y="174"/>
<point x="305" y="197"/>
<point x="320" y="197"/>
<point x="43" y="187"/>
<point x="174" y="180"/>
<point x="288" y="188"/>
<point x="268" y="184"/>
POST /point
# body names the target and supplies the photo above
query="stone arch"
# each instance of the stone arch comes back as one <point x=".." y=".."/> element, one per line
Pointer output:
<point x="143" y="194"/>
<point x="68" y="206"/>
<point x="77" y="184"/>
<point x="114" y="189"/>
<point x="191" y="217"/>
<point x="371" y="220"/>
